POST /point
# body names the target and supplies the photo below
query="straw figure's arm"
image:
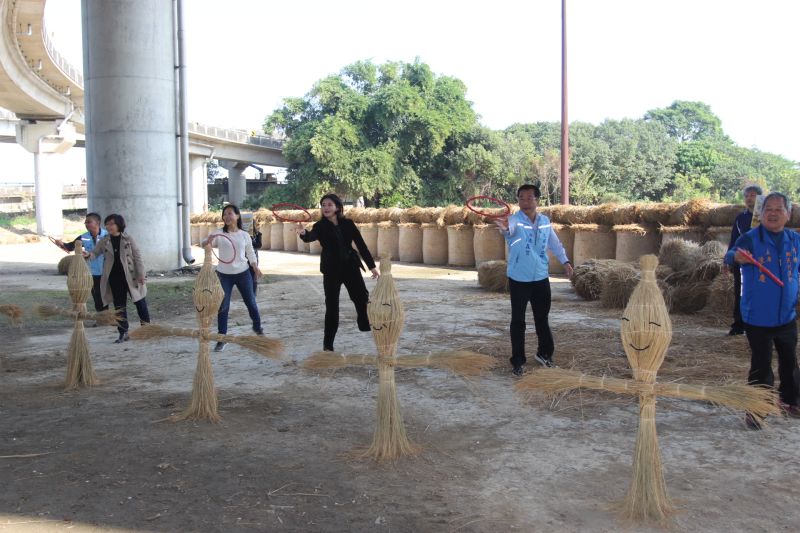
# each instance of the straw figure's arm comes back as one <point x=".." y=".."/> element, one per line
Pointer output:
<point x="13" y="312"/>
<point x="461" y="362"/>
<point x="266" y="346"/>
<point x="109" y="317"/>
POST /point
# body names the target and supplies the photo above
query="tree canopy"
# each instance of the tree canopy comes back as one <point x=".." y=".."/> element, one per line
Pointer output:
<point x="397" y="134"/>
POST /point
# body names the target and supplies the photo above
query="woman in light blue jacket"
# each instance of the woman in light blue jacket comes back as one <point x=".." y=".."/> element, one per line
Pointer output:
<point x="529" y="236"/>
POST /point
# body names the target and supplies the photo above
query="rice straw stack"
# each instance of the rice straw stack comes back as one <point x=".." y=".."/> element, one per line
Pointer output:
<point x="493" y="276"/>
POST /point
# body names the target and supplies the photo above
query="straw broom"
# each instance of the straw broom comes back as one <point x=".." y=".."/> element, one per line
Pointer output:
<point x="265" y="346"/>
<point x="462" y="362"/>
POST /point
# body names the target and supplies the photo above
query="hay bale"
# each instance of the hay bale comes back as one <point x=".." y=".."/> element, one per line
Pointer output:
<point x="394" y="214"/>
<point x="428" y="215"/>
<point x="411" y="215"/>
<point x="721" y="234"/>
<point x="686" y="233"/>
<point x="587" y="279"/>
<point x="689" y="298"/>
<point x="691" y="213"/>
<point x="460" y="250"/>
<point x="63" y="264"/>
<point x="657" y="213"/>
<point x="453" y="214"/>
<point x="724" y="214"/>
<point x="492" y="276"/>
<point x="410" y="242"/>
<point x="276" y="236"/>
<point x="721" y="299"/>
<point x="679" y="254"/>
<point x="602" y="214"/>
<point x="572" y="214"/>
<point x="194" y="234"/>
<point x="388" y="240"/>
<point x="356" y="214"/>
<point x="488" y="244"/>
<point x="289" y="235"/>
<point x="567" y="238"/>
<point x="713" y="250"/>
<point x="369" y="232"/>
<point x="634" y="241"/>
<point x="434" y="244"/>
<point x="617" y="285"/>
<point x="593" y="241"/>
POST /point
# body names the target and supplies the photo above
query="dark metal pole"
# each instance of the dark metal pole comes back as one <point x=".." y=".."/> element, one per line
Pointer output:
<point x="564" y="121"/>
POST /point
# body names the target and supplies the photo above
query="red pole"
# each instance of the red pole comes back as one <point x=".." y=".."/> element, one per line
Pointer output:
<point x="564" y="121"/>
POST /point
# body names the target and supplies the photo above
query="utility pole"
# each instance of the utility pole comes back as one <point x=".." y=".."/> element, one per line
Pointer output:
<point x="564" y="120"/>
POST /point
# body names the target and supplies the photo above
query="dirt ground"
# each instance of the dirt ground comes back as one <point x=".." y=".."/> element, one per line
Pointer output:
<point x="103" y="459"/>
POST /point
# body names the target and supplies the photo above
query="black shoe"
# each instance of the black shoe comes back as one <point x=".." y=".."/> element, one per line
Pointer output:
<point x="258" y="331"/>
<point x="792" y="411"/>
<point x="735" y="331"/>
<point x="122" y="338"/>
<point x="327" y="348"/>
<point x="219" y="346"/>
<point x="751" y="422"/>
<point x="517" y="371"/>
<point x="546" y="362"/>
<point x="364" y="326"/>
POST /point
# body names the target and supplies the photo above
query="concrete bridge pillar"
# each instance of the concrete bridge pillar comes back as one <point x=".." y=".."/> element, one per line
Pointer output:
<point x="47" y="140"/>
<point x="131" y="152"/>
<point x="199" y="184"/>
<point x="237" y="186"/>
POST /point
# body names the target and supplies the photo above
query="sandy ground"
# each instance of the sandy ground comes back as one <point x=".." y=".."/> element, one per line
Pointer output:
<point x="279" y="459"/>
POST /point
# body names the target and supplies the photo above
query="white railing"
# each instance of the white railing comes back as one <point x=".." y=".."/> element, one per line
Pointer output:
<point x="239" y="136"/>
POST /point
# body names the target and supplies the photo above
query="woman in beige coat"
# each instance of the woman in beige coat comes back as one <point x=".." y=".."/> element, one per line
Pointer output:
<point x="123" y="273"/>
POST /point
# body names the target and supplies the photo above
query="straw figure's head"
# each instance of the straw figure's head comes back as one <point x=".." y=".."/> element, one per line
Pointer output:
<point x="79" y="278"/>
<point x="207" y="292"/>
<point x="385" y="311"/>
<point x="646" y="326"/>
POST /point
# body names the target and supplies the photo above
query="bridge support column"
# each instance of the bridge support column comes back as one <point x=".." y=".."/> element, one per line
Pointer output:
<point x="47" y="140"/>
<point x="237" y="186"/>
<point x="198" y="203"/>
<point x="131" y="153"/>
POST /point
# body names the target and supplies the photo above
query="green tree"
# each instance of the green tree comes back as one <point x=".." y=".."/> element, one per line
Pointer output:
<point x="395" y="134"/>
<point x="687" y="121"/>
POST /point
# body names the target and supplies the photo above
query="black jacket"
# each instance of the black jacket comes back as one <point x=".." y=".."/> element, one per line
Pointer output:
<point x="331" y="259"/>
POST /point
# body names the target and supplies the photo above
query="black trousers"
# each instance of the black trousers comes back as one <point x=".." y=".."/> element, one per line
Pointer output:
<point x="96" y="295"/>
<point x="738" y="323"/>
<point x="538" y="294"/>
<point x="354" y="283"/>
<point x="120" y="291"/>
<point x="784" y="338"/>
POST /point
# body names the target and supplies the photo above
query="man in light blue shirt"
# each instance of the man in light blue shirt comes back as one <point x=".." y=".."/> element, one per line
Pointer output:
<point x="530" y="236"/>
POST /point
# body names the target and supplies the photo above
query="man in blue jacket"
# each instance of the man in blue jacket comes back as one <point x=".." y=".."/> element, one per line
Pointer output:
<point x="93" y="234"/>
<point x="741" y="226"/>
<point x="768" y="310"/>
<point x="529" y="236"/>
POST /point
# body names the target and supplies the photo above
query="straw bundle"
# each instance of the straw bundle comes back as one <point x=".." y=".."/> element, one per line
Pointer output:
<point x="687" y="233"/>
<point x="462" y="362"/>
<point x="109" y="317"/>
<point x="63" y="264"/>
<point x="713" y="250"/>
<point x="79" y="278"/>
<point x="656" y="213"/>
<point x="356" y="214"/>
<point x="618" y="284"/>
<point x="720" y="295"/>
<point x="411" y="215"/>
<point x="394" y="214"/>
<point x="689" y="298"/>
<point x="602" y="214"/>
<point x="492" y="276"/>
<point x="266" y="346"/>
<point x="679" y="254"/>
<point x="428" y="215"/>
<point x="13" y="312"/>
<point x="570" y="214"/>
<point x="756" y="400"/>
<point x="79" y="366"/>
<point x="453" y="214"/>
<point x="724" y="214"/>
<point x="587" y="279"/>
<point x="194" y="218"/>
<point x="691" y="213"/>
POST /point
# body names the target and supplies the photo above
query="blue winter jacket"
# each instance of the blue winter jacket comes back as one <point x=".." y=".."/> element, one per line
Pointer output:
<point x="528" y="243"/>
<point x="764" y="303"/>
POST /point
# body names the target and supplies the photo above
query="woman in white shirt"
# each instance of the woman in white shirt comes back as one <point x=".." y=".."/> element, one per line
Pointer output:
<point x="237" y="266"/>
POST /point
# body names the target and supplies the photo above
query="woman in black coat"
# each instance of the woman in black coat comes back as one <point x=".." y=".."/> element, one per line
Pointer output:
<point x="340" y="264"/>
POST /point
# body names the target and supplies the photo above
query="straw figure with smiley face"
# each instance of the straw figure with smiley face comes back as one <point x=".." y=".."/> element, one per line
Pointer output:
<point x="207" y="296"/>
<point x="646" y="332"/>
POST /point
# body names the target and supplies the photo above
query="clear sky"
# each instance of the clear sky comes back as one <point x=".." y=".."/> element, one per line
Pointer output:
<point x="625" y="56"/>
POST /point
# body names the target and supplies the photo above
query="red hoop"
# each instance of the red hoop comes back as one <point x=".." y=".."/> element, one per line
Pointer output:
<point x="501" y="203"/>
<point x="214" y="236"/>
<point x="277" y="207"/>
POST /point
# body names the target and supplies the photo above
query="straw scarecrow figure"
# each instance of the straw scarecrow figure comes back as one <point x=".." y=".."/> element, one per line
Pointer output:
<point x="386" y="317"/>
<point x="207" y="295"/>
<point x="646" y="333"/>
<point x="79" y="285"/>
